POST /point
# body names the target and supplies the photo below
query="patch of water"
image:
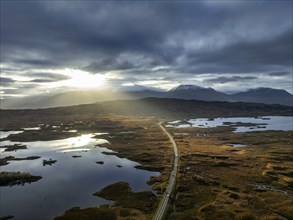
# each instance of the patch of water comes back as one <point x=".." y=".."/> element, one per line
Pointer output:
<point x="4" y="134"/>
<point x="69" y="182"/>
<point x="71" y="131"/>
<point x="283" y="123"/>
<point x="237" y="145"/>
<point x="32" y="129"/>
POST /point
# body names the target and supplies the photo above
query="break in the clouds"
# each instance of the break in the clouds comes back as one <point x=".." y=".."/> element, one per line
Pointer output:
<point x="230" y="45"/>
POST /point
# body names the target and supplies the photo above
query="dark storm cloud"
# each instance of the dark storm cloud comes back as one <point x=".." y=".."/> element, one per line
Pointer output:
<point x="279" y="74"/>
<point x="50" y="77"/>
<point x="11" y="91"/>
<point x="108" y="64"/>
<point x="65" y="32"/>
<point x="46" y="77"/>
<point x="167" y="39"/>
<point x="21" y="89"/>
<point x="223" y="80"/>
<point x="36" y="62"/>
<point x="42" y="80"/>
<point x="244" y="57"/>
<point x="6" y="80"/>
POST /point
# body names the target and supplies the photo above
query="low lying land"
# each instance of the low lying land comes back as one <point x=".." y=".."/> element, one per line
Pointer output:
<point x="139" y="139"/>
<point x="148" y="107"/>
<point x="4" y="161"/>
<point x="219" y="181"/>
<point x="215" y="181"/>
<point x="14" y="147"/>
<point x="138" y="205"/>
<point x="17" y="178"/>
<point x="102" y="213"/>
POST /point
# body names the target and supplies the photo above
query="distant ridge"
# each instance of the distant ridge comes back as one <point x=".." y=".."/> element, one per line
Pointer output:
<point x="149" y="107"/>
<point x="265" y="95"/>
<point x="187" y="92"/>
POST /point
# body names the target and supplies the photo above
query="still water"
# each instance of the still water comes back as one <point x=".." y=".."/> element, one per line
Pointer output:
<point x="70" y="182"/>
<point x="4" y="134"/>
<point x="283" y="123"/>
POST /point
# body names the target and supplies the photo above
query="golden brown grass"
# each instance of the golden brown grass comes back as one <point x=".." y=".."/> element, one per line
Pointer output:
<point x="218" y="181"/>
<point x="215" y="181"/>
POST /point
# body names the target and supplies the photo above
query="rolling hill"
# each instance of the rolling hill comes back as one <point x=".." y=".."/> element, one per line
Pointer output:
<point x="147" y="107"/>
<point x="187" y="92"/>
<point x="264" y="95"/>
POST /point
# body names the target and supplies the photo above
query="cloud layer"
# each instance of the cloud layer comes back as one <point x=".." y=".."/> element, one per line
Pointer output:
<point x="229" y="45"/>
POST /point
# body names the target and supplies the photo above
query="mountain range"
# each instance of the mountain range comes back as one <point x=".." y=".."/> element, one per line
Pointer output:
<point x="187" y="92"/>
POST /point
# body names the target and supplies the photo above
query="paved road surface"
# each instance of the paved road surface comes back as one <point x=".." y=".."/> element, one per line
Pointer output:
<point x="163" y="205"/>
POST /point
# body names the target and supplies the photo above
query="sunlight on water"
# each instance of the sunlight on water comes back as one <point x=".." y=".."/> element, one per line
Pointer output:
<point x="75" y="150"/>
<point x="70" y="181"/>
<point x="101" y="133"/>
<point x="4" y="134"/>
<point x="72" y="131"/>
<point x="76" y="144"/>
<point x="79" y="141"/>
<point x="238" y="145"/>
<point x="32" y="129"/>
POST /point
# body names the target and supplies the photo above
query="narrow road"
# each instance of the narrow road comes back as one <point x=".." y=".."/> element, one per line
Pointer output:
<point x="172" y="179"/>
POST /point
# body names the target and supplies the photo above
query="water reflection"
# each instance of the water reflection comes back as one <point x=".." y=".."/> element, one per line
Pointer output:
<point x="70" y="181"/>
<point x="284" y="123"/>
<point x="4" y="134"/>
<point x="32" y="129"/>
<point x="237" y="145"/>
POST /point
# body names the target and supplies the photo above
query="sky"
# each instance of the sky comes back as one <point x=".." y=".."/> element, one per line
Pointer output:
<point x="49" y="47"/>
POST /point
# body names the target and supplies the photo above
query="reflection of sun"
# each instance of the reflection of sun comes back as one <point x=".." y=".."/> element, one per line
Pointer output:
<point x="82" y="79"/>
<point x="79" y="143"/>
<point x="81" y="140"/>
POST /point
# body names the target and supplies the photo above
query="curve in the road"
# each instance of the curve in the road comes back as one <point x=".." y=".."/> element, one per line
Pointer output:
<point x="172" y="179"/>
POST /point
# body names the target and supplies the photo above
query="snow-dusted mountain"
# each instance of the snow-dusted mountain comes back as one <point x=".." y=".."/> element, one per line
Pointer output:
<point x="198" y="93"/>
<point x="187" y="87"/>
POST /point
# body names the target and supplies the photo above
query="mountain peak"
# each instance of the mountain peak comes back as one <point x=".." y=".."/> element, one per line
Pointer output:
<point x="187" y="87"/>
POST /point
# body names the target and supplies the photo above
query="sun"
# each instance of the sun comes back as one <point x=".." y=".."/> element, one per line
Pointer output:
<point x="84" y="80"/>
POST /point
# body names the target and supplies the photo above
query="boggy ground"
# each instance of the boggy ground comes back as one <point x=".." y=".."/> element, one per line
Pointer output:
<point x="139" y="139"/>
<point x="215" y="181"/>
<point x="218" y="181"/>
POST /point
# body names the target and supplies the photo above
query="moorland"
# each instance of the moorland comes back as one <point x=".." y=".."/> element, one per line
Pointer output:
<point x="215" y="179"/>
